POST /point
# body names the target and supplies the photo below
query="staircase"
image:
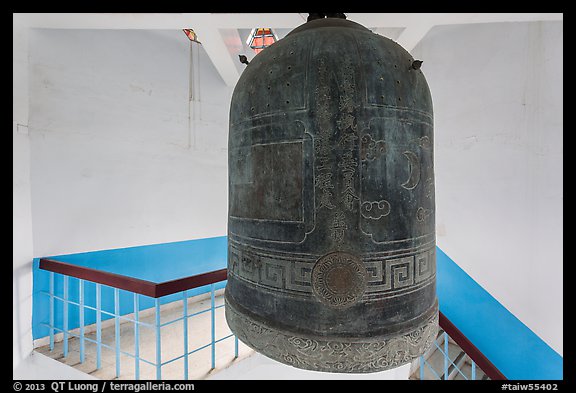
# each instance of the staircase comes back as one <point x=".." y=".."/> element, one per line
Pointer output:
<point x="434" y="365"/>
<point x="198" y="363"/>
<point x="431" y="366"/>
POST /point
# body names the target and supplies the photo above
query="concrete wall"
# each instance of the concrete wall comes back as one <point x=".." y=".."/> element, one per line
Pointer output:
<point x="125" y="150"/>
<point x="497" y="92"/>
<point x="21" y="205"/>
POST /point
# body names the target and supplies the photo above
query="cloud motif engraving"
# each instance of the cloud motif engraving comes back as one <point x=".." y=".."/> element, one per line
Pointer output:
<point x="371" y="149"/>
<point x="422" y="214"/>
<point x="375" y="210"/>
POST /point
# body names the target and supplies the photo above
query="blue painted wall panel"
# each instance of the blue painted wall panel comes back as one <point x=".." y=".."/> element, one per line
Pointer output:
<point x="156" y="263"/>
<point x="509" y="344"/>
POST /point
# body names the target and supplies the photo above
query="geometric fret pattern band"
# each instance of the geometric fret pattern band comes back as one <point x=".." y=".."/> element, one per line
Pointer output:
<point x="386" y="277"/>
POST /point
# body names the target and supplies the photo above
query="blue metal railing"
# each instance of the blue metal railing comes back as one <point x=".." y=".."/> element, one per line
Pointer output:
<point x="157" y="326"/>
<point x="451" y="366"/>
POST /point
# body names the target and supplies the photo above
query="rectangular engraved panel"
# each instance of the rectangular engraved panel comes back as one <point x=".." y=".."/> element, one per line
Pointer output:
<point x="396" y="198"/>
<point x="266" y="182"/>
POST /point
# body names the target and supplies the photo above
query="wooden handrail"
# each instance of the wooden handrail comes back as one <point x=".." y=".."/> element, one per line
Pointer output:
<point x="470" y="349"/>
<point x="132" y="284"/>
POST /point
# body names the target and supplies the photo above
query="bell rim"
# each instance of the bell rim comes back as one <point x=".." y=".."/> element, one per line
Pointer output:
<point x="337" y="354"/>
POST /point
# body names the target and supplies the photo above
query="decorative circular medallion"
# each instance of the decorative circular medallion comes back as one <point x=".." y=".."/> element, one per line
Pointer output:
<point x="339" y="279"/>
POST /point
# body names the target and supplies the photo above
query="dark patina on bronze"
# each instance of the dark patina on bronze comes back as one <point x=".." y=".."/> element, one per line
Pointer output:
<point x="331" y="243"/>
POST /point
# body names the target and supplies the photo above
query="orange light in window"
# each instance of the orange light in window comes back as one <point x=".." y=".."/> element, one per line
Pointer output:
<point x="261" y="38"/>
<point x="191" y="34"/>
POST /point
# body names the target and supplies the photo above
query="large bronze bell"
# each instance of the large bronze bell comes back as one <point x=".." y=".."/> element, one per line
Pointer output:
<point x="331" y="242"/>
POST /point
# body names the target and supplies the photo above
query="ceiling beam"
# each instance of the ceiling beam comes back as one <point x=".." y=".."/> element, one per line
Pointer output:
<point x="105" y="20"/>
<point x="411" y="19"/>
<point x="387" y="19"/>
<point x="158" y="20"/>
<point x="446" y="19"/>
<point x="234" y="45"/>
<point x="250" y="20"/>
<point x="412" y="35"/>
<point x="215" y="46"/>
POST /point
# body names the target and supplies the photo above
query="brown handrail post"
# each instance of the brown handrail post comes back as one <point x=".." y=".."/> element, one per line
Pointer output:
<point x="470" y="349"/>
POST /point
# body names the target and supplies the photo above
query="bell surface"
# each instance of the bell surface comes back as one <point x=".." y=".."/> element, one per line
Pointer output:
<point x="331" y="231"/>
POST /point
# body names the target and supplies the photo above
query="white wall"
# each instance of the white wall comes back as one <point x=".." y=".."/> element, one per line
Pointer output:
<point x="497" y="93"/>
<point x="120" y="157"/>
<point x="38" y="366"/>
<point x="22" y="220"/>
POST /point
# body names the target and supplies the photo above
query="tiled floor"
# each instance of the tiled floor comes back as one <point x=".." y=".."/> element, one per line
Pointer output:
<point x="199" y="363"/>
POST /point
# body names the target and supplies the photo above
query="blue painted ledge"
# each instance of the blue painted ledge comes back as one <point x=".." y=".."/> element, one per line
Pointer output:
<point x="509" y="344"/>
<point x="155" y="262"/>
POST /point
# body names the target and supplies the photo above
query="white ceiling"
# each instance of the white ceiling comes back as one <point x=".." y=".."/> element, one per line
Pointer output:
<point x="223" y="34"/>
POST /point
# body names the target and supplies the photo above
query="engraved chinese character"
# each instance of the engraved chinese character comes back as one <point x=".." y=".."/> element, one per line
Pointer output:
<point x="346" y="103"/>
<point x="348" y="180"/>
<point x="326" y="200"/>
<point x="348" y="138"/>
<point x="338" y="227"/>
<point x="348" y="162"/>
<point x="346" y="121"/>
<point x="348" y="199"/>
<point x="324" y="180"/>
<point x="323" y="163"/>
